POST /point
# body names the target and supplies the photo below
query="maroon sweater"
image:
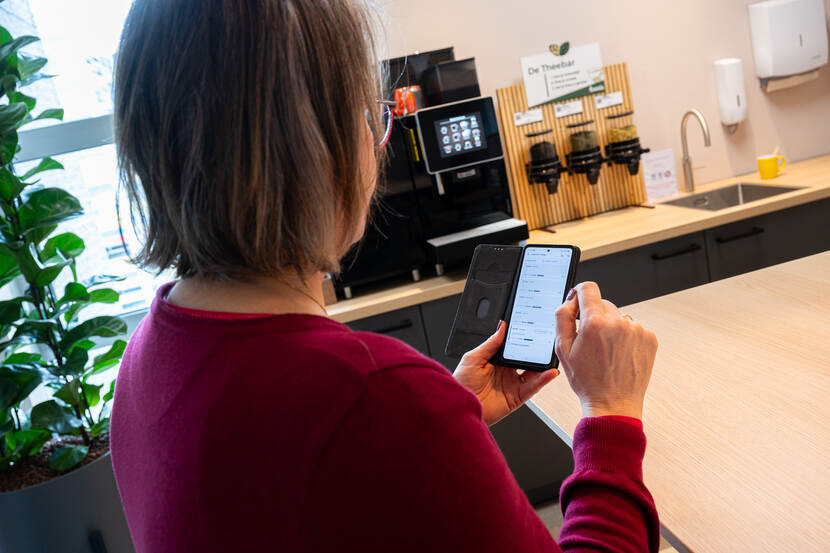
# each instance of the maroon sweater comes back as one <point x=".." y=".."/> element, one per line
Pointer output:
<point x="294" y="433"/>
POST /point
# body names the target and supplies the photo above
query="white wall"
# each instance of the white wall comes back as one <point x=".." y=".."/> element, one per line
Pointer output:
<point x="669" y="46"/>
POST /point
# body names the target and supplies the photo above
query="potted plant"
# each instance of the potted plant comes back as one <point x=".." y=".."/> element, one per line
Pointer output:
<point x="57" y="491"/>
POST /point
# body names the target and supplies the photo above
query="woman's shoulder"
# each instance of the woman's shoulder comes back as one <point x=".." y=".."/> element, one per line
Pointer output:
<point x="403" y="374"/>
<point x="387" y="352"/>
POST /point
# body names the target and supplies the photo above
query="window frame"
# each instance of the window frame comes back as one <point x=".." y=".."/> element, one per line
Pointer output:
<point x="67" y="138"/>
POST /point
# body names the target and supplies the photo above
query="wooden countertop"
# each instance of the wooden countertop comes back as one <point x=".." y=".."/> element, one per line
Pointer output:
<point x="738" y="412"/>
<point x="612" y="232"/>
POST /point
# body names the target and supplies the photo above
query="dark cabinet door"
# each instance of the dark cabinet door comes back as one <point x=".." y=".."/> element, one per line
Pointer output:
<point x="404" y="324"/>
<point x="438" y="317"/>
<point x="769" y="239"/>
<point x="649" y="271"/>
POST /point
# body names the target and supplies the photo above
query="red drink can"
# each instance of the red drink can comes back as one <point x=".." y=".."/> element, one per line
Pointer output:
<point x="405" y="101"/>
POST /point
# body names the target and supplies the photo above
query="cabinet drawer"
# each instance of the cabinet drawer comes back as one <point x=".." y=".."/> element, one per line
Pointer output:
<point x="769" y="239"/>
<point x="404" y="324"/>
<point x="649" y="271"/>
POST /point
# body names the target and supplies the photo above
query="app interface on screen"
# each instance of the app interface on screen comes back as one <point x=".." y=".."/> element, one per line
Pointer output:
<point x="459" y="135"/>
<point x="541" y="288"/>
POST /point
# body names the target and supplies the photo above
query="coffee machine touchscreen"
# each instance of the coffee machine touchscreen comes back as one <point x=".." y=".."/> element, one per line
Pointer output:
<point x="543" y="279"/>
<point x="461" y="134"/>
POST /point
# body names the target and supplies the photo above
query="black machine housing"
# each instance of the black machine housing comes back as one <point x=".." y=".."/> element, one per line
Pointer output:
<point x="426" y="223"/>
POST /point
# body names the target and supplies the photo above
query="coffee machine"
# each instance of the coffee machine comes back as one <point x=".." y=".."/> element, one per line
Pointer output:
<point x="436" y="205"/>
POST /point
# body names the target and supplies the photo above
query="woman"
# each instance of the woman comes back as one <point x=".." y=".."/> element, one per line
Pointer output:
<point x="244" y="418"/>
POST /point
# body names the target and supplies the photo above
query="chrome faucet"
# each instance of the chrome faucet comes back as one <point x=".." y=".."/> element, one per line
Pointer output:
<point x="687" y="162"/>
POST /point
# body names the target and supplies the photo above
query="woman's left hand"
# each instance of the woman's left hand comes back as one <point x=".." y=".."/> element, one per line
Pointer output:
<point x="499" y="389"/>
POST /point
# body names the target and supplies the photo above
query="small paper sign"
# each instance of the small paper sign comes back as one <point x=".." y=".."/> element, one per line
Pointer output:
<point x="527" y="117"/>
<point x="660" y="174"/>
<point x="568" y="108"/>
<point x="609" y="100"/>
<point x="574" y="72"/>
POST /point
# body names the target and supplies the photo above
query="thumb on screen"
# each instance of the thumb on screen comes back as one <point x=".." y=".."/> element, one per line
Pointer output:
<point x="566" y="325"/>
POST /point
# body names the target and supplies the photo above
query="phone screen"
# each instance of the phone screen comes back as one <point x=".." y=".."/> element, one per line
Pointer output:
<point x="543" y="279"/>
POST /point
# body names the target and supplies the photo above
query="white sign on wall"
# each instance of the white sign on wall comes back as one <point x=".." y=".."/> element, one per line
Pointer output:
<point x="568" y="108"/>
<point x="527" y="117"/>
<point x="551" y="78"/>
<point x="609" y="100"/>
<point x="660" y="174"/>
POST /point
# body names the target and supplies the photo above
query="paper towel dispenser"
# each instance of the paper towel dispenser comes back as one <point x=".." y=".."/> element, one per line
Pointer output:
<point x="789" y="37"/>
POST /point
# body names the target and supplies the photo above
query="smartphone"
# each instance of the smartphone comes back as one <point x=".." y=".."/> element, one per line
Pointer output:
<point x="546" y="273"/>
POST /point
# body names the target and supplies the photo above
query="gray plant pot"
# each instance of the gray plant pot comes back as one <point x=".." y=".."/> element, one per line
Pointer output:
<point x="79" y="512"/>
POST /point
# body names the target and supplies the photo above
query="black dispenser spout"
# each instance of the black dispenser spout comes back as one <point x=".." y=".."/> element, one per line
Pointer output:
<point x="544" y="165"/>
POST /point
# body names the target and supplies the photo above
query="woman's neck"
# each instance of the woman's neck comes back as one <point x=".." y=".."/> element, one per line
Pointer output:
<point x="271" y="295"/>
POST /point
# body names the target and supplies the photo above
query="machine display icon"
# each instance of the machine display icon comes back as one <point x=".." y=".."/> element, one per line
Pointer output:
<point x="460" y="134"/>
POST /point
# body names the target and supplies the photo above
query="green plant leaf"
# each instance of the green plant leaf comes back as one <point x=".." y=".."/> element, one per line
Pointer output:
<point x="11" y="115"/>
<point x="55" y="417"/>
<point x="15" y="341"/>
<point x="72" y="313"/>
<point x="64" y="458"/>
<point x="8" y="265"/>
<point x="8" y="389"/>
<point x="101" y="279"/>
<point x="6" y="424"/>
<point x="69" y="393"/>
<point x="46" y="164"/>
<point x="34" y="78"/>
<point x="100" y="427"/>
<point x="10" y="186"/>
<point x="104" y="326"/>
<point x="92" y="393"/>
<point x="29" y="65"/>
<point x="103" y="295"/>
<point x="11" y="47"/>
<point x="27" y="100"/>
<point x="55" y="113"/>
<point x="23" y="357"/>
<point x="11" y="310"/>
<point x="73" y="291"/>
<point x="24" y="443"/>
<point x="48" y="206"/>
<point x="36" y="236"/>
<point x="35" y="331"/>
<point x="74" y="364"/>
<point x="109" y="359"/>
<point x="83" y="344"/>
<point x="17" y="383"/>
<point x="9" y="82"/>
<point x="25" y="257"/>
<point x="8" y="146"/>
<point x="69" y="245"/>
<point x="110" y="393"/>
<point x="24" y="377"/>
<point x="49" y="273"/>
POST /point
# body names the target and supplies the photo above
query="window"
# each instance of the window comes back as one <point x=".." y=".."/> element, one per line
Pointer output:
<point x="80" y="39"/>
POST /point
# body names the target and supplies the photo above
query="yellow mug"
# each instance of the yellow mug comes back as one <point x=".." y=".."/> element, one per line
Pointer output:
<point x="770" y="166"/>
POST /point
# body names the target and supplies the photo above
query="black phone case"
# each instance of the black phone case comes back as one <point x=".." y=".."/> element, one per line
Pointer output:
<point x="484" y="300"/>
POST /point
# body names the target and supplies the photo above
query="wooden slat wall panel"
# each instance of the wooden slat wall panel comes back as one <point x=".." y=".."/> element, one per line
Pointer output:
<point x="576" y="198"/>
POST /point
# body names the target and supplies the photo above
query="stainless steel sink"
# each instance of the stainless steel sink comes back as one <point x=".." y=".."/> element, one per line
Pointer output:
<point x="729" y="196"/>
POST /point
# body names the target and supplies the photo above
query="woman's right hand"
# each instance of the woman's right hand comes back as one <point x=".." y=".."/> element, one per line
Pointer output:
<point x="608" y="362"/>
